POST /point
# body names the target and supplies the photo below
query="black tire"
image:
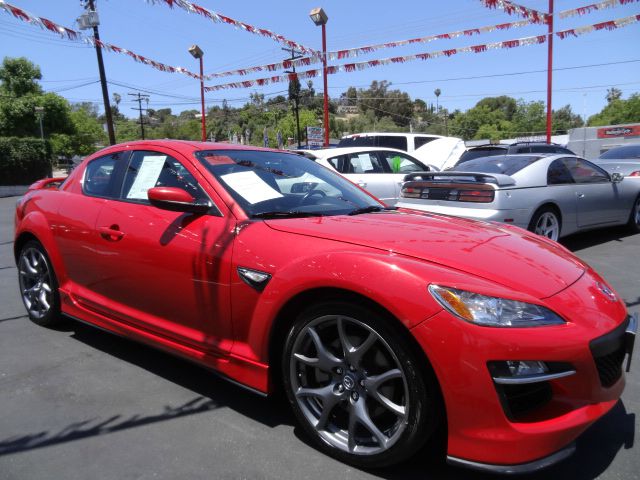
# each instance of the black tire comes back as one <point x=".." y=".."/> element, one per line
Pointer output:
<point x="38" y="285"/>
<point x="634" y="217"/>
<point x="404" y="408"/>
<point x="546" y="222"/>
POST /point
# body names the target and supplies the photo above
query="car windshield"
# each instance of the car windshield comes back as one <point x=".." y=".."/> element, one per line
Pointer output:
<point x="506" y="165"/>
<point x="279" y="185"/>
<point x="631" y="152"/>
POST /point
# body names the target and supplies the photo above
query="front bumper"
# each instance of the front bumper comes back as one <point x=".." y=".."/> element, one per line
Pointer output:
<point x="482" y="433"/>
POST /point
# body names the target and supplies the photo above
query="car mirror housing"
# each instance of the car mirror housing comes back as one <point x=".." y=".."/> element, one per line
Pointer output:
<point x="176" y="200"/>
<point x="617" y="177"/>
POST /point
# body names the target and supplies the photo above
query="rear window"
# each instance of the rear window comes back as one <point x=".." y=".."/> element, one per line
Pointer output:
<point x="481" y="152"/>
<point x="620" y="153"/>
<point x="506" y="165"/>
<point x="386" y="141"/>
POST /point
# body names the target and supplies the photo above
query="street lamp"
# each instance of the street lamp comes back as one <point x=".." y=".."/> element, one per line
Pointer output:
<point x="197" y="53"/>
<point x="319" y="17"/>
<point x="40" y="114"/>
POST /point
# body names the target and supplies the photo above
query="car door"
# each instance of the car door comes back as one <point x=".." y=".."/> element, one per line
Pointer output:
<point x="163" y="271"/>
<point x="598" y="198"/>
<point x="365" y="169"/>
<point x="399" y="165"/>
<point x="78" y="212"/>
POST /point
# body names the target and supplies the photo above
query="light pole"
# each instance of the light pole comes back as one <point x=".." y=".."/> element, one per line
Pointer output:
<point x="549" y="71"/>
<point x="90" y="20"/>
<point x="319" y="17"/>
<point x="197" y="53"/>
<point x="40" y="114"/>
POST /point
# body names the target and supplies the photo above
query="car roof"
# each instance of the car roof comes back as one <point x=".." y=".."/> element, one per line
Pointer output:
<point x="391" y="134"/>
<point x="330" y="152"/>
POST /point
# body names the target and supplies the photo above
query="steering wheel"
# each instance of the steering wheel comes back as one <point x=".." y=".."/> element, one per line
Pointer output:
<point x="310" y="194"/>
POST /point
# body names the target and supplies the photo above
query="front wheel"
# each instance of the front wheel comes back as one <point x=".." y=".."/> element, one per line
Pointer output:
<point x="546" y="222"/>
<point x="38" y="285"/>
<point x="356" y="387"/>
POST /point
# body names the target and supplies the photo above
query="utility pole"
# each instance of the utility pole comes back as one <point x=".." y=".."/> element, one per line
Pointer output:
<point x="294" y="56"/>
<point x="90" y="20"/>
<point x="139" y="98"/>
<point x="549" y="71"/>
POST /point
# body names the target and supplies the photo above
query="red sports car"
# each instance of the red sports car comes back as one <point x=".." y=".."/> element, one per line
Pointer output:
<point x="384" y="327"/>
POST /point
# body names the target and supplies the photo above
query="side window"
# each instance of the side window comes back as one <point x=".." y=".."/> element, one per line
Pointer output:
<point x="558" y="173"/>
<point x="544" y="149"/>
<point x="364" y="162"/>
<point x="153" y="169"/>
<point x="399" y="163"/>
<point x="399" y="143"/>
<point x="99" y="177"/>
<point x="586" y="172"/>
<point x="420" y="141"/>
<point x="523" y="150"/>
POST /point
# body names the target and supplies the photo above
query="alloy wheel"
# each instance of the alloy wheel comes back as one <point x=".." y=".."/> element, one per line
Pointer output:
<point x="349" y="385"/>
<point x="548" y="226"/>
<point x="35" y="282"/>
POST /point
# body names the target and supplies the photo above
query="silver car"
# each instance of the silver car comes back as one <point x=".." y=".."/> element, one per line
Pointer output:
<point x="624" y="160"/>
<point x="551" y="195"/>
<point x="380" y="171"/>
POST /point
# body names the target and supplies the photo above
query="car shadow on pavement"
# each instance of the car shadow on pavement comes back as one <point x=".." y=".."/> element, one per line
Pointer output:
<point x="596" y="450"/>
<point x="580" y="241"/>
<point x="212" y="392"/>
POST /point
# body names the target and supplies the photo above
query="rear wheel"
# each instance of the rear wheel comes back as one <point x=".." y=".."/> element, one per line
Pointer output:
<point x="38" y="285"/>
<point x="356" y="387"/>
<point x="634" y="217"/>
<point x="546" y="222"/>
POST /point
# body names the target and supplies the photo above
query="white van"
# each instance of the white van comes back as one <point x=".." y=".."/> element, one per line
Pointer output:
<point x="407" y="142"/>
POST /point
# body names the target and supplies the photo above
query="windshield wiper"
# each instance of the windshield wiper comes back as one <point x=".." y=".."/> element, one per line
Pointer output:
<point x="370" y="209"/>
<point x="286" y="214"/>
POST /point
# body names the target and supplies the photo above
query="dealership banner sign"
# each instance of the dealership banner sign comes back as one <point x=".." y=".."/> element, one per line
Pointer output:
<point x="619" y="131"/>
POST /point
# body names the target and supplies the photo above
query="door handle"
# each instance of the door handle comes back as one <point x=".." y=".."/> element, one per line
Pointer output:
<point x="580" y="195"/>
<point x="112" y="233"/>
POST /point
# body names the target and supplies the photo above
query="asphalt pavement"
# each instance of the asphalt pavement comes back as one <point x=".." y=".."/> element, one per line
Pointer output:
<point x="79" y="403"/>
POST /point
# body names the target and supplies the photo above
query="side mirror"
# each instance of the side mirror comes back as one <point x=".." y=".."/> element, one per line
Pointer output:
<point x="176" y="200"/>
<point x="617" y="177"/>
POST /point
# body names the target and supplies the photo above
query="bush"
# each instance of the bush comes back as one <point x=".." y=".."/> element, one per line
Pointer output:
<point x="23" y="160"/>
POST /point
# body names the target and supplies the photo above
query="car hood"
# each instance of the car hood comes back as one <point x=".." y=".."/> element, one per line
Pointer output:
<point x="506" y="255"/>
<point x="441" y="153"/>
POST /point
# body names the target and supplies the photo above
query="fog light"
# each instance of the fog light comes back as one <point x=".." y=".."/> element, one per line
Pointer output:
<point x="521" y="368"/>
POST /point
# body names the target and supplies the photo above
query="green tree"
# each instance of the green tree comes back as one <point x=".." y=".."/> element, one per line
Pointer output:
<point x="19" y="77"/>
<point x="618" y="111"/>
<point x="613" y="93"/>
<point x="564" y="119"/>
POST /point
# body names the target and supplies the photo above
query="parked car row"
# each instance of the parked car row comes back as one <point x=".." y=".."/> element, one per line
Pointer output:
<point x="385" y="328"/>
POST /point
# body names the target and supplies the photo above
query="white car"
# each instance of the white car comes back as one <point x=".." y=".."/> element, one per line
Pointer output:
<point x="380" y="171"/>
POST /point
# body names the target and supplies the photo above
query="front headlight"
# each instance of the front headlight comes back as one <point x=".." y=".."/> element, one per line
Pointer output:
<point x="493" y="311"/>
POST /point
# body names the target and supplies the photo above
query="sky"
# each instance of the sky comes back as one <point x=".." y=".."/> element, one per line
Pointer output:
<point x="604" y="59"/>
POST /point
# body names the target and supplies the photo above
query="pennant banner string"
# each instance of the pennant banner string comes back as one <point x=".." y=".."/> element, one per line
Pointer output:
<point x="78" y="36"/>
<point x="511" y="8"/>
<point x="219" y="18"/>
<point x="351" y="67"/>
<point x="593" y="7"/>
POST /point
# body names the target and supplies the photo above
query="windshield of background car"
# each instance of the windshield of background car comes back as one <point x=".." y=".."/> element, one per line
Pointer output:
<point x="386" y="141"/>
<point x="621" y="153"/>
<point x="277" y="184"/>
<point x="481" y="152"/>
<point x="506" y="165"/>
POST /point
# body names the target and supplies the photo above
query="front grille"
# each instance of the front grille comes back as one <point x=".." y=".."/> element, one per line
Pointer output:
<point x="608" y="354"/>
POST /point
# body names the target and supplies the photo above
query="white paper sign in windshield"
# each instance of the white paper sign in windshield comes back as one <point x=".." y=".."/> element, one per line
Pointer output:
<point x="365" y="162"/>
<point x="250" y="187"/>
<point x="147" y="176"/>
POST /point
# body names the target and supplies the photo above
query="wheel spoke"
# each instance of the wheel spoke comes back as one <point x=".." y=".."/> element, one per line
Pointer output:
<point x="326" y="360"/>
<point x="26" y="268"/>
<point x="372" y="384"/>
<point x="360" y="415"/>
<point x="329" y="401"/>
<point x="353" y="355"/>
